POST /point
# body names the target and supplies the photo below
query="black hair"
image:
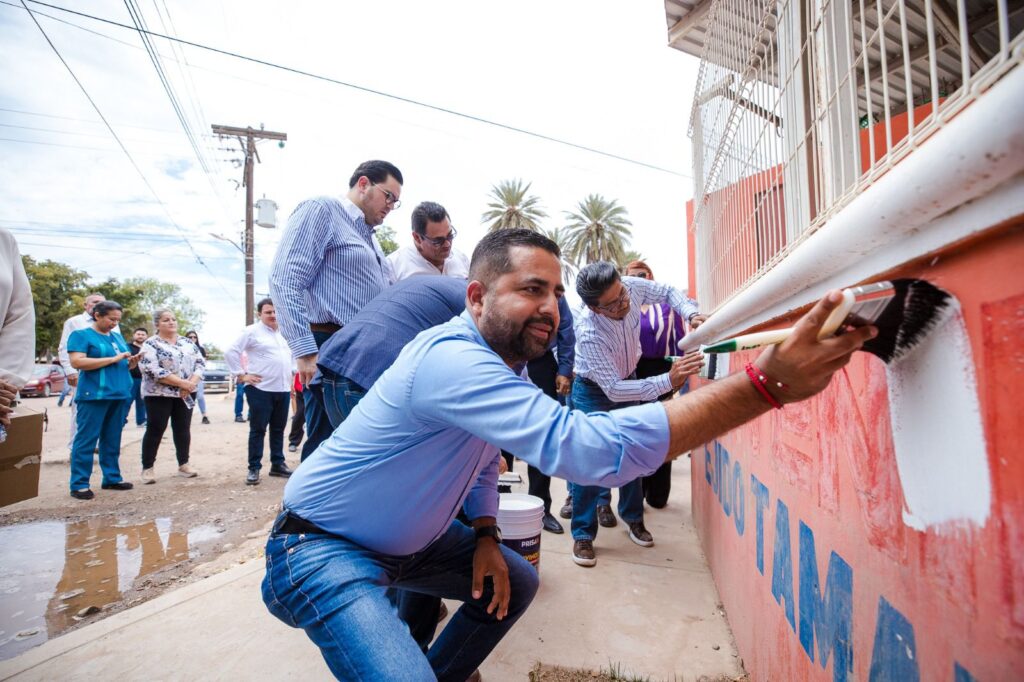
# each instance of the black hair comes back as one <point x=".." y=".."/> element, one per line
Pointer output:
<point x="595" y="279"/>
<point x="104" y="308"/>
<point x="427" y="211"/>
<point x="375" y="171"/>
<point x="492" y="255"/>
<point x="140" y="329"/>
<point x="190" y="332"/>
<point x="259" y="306"/>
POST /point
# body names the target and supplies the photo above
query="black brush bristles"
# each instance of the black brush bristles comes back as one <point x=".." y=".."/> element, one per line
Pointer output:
<point x="916" y="308"/>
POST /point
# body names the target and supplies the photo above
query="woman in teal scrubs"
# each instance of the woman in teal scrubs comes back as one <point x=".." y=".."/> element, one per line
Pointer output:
<point x="102" y="359"/>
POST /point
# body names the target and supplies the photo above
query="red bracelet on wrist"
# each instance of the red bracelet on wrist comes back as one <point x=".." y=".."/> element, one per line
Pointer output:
<point x="760" y="381"/>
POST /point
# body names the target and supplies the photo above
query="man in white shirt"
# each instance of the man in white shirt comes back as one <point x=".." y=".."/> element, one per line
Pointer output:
<point x="73" y="324"/>
<point x="268" y="382"/>
<point x="432" y="252"/>
<point x="17" y="325"/>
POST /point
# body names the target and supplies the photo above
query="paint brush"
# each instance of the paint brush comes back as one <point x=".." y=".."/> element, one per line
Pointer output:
<point x="903" y="310"/>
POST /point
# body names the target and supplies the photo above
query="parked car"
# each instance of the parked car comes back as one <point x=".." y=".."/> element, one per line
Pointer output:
<point x="217" y="377"/>
<point x="46" y="379"/>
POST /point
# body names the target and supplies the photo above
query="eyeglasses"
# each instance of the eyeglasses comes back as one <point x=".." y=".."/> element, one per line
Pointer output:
<point x="441" y="241"/>
<point x="616" y="305"/>
<point x="389" y="197"/>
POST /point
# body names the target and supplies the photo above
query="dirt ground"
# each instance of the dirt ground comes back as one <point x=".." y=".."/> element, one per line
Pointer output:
<point x="613" y="673"/>
<point x="65" y="562"/>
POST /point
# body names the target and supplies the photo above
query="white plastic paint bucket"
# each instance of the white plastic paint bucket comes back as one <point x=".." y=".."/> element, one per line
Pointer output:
<point x="521" y="519"/>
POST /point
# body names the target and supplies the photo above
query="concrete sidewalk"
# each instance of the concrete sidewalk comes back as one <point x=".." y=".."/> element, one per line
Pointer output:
<point x="652" y="612"/>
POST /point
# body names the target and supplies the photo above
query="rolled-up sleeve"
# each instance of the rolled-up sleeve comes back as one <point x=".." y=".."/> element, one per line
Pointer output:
<point x="18" y="328"/>
<point x="298" y="259"/>
<point x="605" y="374"/>
<point x="487" y="400"/>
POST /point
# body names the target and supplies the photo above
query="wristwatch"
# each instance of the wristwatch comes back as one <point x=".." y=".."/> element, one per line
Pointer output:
<point x="489" y="532"/>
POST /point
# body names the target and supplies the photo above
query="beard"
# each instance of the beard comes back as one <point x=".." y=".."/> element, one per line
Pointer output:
<point x="511" y="341"/>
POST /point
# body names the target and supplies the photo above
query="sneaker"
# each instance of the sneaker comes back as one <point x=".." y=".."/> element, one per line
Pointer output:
<point x="253" y="477"/>
<point x="605" y="516"/>
<point x="293" y="448"/>
<point x="281" y="470"/>
<point x="141" y="426"/>
<point x="185" y="471"/>
<point x="583" y="553"/>
<point x="148" y="476"/>
<point x="566" y="511"/>
<point x="206" y="419"/>
<point x="123" y="485"/>
<point x="640" y="535"/>
<point x="238" y="418"/>
<point x="83" y="494"/>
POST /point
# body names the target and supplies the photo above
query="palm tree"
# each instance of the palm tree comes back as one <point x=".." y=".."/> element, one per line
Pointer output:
<point x="560" y="236"/>
<point x="597" y="230"/>
<point x="510" y="207"/>
<point x="627" y="257"/>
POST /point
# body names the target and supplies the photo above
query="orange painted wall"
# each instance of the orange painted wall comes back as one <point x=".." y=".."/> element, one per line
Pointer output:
<point x="831" y="462"/>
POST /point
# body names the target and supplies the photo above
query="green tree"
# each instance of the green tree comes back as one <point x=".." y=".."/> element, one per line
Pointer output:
<point x="213" y="351"/>
<point x="57" y="291"/>
<point x="560" y="236"/>
<point x="510" y="207"/>
<point x="142" y="296"/>
<point x="386" y="238"/>
<point x="597" y="230"/>
<point x="628" y="257"/>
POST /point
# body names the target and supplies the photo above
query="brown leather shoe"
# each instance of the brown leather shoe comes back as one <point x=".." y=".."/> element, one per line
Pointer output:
<point x="640" y="535"/>
<point x="583" y="553"/>
<point x="566" y="511"/>
<point x="605" y="516"/>
<point x="475" y="677"/>
<point x="442" y="612"/>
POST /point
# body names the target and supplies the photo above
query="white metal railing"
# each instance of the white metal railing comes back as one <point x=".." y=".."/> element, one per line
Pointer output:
<point x="801" y="104"/>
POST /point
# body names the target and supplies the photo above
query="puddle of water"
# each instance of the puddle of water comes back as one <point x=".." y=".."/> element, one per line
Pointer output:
<point x="52" y="571"/>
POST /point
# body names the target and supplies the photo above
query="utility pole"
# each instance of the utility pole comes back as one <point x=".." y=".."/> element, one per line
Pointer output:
<point x="247" y="137"/>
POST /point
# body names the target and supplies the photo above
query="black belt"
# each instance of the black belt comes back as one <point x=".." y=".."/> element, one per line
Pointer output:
<point x="290" y="524"/>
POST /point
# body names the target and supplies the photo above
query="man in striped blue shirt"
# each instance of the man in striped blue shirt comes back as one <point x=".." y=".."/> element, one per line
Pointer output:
<point x="328" y="266"/>
<point x="607" y="352"/>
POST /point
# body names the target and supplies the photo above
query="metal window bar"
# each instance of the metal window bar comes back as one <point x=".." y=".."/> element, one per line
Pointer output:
<point x="801" y="104"/>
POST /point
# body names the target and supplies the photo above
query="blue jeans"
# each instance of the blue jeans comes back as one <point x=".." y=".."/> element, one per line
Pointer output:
<point x="341" y="395"/>
<point x="334" y="589"/>
<point x="267" y="409"/>
<point x="318" y="426"/>
<point x="239" y="399"/>
<point x="201" y="398"/>
<point x="136" y="399"/>
<point x="98" y="421"/>
<point x="585" y="498"/>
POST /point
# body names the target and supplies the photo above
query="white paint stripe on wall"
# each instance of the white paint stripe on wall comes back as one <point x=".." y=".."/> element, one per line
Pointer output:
<point x="938" y="432"/>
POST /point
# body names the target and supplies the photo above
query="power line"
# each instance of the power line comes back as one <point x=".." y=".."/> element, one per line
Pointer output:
<point x="123" y="148"/>
<point x="372" y="91"/>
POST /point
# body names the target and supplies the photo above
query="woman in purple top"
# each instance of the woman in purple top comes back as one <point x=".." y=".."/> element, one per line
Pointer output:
<point x="660" y="330"/>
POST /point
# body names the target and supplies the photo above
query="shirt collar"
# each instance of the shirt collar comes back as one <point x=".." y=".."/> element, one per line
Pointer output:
<point x="355" y="213"/>
<point x="471" y="324"/>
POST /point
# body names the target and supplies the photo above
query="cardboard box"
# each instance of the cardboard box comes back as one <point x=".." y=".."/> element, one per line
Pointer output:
<point x="20" y="457"/>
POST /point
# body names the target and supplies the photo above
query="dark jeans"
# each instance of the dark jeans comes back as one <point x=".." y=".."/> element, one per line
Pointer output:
<point x="330" y="587"/>
<point x="318" y="426"/>
<point x="298" y="420"/>
<point x="588" y="397"/>
<point x="136" y="399"/>
<point x="543" y="371"/>
<point x="266" y="409"/>
<point x="239" y="399"/>
<point x="341" y="395"/>
<point x="159" y="410"/>
<point x="658" y="485"/>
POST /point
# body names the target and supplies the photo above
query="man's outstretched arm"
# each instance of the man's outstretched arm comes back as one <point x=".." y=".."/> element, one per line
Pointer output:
<point x="802" y="363"/>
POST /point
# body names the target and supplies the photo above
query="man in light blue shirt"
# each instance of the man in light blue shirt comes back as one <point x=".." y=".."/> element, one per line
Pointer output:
<point x="327" y="267"/>
<point x="374" y="506"/>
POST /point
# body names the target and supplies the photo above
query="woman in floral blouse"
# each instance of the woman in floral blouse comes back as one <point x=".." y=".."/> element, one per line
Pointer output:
<point x="172" y="368"/>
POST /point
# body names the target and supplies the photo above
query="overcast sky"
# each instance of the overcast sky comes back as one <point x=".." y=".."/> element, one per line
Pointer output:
<point x="597" y="74"/>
